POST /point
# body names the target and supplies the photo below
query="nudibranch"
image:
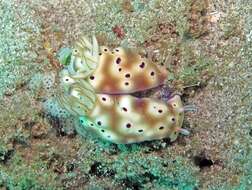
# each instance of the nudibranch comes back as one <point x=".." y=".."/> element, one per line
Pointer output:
<point x="98" y="89"/>
<point x="127" y="119"/>
<point x="123" y="71"/>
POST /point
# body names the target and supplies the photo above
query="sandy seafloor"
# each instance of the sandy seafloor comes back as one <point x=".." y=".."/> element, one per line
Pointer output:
<point x="206" y="46"/>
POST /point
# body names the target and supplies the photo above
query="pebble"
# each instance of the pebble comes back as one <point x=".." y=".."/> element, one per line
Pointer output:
<point x="39" y="131"/>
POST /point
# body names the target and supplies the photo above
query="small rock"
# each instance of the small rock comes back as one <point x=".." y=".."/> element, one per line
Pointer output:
<point x="39" y="131"/>
<point x="5" y="155"/>
<point x="8" y="92"/>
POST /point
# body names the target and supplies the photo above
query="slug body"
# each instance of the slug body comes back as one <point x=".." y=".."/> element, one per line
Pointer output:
<point x="126" y="119"/>
<point x="123" y="71"/>
<point x="98" y="88"/>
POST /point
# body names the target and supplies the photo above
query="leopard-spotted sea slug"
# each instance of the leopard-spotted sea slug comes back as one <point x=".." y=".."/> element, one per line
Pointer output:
<point x="98" y="89"/>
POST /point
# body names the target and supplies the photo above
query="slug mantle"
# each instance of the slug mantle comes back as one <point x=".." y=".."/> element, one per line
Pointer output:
<point x="98" y="88"/>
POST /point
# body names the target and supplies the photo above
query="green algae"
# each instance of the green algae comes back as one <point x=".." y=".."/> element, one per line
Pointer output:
<point x="159" y="172"/>
<point x="23" y="177"/>
<point x="16" y="33"/>
<point x="139" y="20"/>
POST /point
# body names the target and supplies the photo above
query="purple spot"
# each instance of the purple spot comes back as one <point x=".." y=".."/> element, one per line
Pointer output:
<point x="128" y="125"/>
<point x="127" y="75"/>
<point x="142" y="65"/>
<point x="118" y="60"/>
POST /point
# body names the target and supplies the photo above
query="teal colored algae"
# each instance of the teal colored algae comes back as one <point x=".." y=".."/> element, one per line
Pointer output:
<point x="17" y="31"/>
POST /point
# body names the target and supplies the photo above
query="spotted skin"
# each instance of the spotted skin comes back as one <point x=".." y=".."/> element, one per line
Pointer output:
<point x="126" y="119"/>
<point x="98" y="88"/>
<point x="123" y="71"/>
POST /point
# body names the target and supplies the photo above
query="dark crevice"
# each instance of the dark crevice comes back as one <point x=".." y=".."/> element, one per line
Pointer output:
<point x="5" y="156"/>
<point x="188" y="90"/>
<point x="70" y="167"/>
<point x="137" y="182"/>
<point x="146" y="93"/>
<point x="202" y="161"/>
<point x="58" y="124"/>
<point x="29" y="124"/>
<point x="100" y="170"/>
<point x="156" y="145"/>
<point x="148" y="177"/>
<point x="250" y="132"/>
<point x="131" y="184"/>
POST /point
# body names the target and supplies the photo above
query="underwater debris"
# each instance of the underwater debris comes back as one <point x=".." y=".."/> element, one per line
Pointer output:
<point x="119" y="31"/>
<point x="97" y="88"/>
